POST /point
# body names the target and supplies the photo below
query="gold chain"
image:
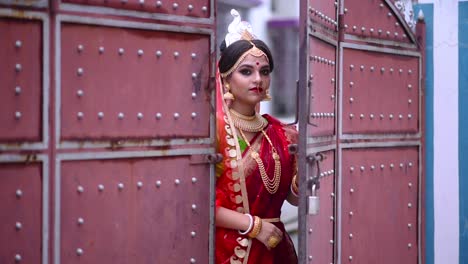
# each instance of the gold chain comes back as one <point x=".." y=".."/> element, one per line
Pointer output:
<point x="255" y="123"/>
<point x="271" y="185"/>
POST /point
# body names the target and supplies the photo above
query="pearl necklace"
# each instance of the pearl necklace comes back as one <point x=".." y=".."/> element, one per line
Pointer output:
<point x="255" y="123"/>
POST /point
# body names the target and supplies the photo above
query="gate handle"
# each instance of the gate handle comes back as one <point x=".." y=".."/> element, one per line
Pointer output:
<point x="315" y="180"/>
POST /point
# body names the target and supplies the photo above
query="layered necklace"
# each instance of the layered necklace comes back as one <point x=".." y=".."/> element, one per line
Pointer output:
<point x="257" y="123"/>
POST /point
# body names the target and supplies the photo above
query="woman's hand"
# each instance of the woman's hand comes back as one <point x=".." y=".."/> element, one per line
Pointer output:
<point x="268" y="230"/>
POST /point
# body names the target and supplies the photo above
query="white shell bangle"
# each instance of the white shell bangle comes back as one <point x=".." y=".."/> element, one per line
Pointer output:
<point x="250" y="225"/>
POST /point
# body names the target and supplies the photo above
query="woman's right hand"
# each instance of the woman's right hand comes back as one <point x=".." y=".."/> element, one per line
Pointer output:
<point x="268" y="230"/>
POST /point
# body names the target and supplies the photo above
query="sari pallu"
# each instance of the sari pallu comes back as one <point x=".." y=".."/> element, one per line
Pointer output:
<point x="239" y="187"/>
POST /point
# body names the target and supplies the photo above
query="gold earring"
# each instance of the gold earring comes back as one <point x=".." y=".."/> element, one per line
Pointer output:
<point x="267" y="95"/>
<point x="228" y="95"/>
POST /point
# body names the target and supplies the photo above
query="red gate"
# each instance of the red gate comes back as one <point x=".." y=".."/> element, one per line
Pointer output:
<point x="107" y="131"/>
<point x="361" y="72"/>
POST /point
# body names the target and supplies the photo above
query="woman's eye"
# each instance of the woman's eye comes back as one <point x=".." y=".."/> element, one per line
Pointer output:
<point x="245" y="72"/>
<point x="265" y="72"/>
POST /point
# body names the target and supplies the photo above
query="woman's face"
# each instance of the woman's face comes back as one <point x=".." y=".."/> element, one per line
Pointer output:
<point x="250" y="80"/>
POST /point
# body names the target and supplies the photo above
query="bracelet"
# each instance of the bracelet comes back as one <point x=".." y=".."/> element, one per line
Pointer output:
<point x="251" y="223"/>
<point x="294" y="192"/>
<point x="257" y="227"/>
<point x="294" y="186"/>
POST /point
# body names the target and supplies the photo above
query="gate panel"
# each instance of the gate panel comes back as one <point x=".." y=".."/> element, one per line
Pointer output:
<point x="323" y="95"/>
<point x="380" y="92"/>
<point x="102" y="75"/>
<point x="21" y="80"/>
<point x="200" y="8"/>
<point x="20" y="207"/>
<point x="380" y="205"/>
<point x="320" y="228"/>
<point x="135" y="210"/>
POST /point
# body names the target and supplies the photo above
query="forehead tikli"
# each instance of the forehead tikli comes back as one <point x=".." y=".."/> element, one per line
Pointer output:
<point x="253" y="60"/>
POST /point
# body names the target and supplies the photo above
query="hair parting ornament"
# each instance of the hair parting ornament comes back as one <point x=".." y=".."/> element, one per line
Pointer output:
<point x="241" y="30"/>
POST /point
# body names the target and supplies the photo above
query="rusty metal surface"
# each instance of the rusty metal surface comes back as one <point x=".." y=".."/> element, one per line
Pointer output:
<point x="150" y="217"/>
<point x="20" y="193"/>
<point x="380" y="92"/>
<point x="374" y="19"/>
<point x="322" y="69"/>
<point x="379" y="215"/>
<point x="21" y="74"/>
<point x="200" y="8"/>
<point x="321" y="227"/>
<point x="166" y="72"/>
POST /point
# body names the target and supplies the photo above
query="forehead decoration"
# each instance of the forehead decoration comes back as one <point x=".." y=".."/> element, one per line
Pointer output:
<point x="241" y="30"/>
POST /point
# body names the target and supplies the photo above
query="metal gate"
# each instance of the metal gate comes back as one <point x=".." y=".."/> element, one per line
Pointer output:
<point x="361" y="121"/>
<point x="107" y="131"/>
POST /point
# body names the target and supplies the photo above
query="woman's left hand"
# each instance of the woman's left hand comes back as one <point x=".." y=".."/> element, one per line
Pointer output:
<point x="270" y="235"/>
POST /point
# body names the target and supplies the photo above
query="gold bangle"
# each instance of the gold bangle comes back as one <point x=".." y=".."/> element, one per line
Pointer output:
<point x="256" y="228"/>
<point x="294" y="185"/>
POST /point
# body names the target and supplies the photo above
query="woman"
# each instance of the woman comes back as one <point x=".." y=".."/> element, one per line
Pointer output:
<point x="257" y="173"/>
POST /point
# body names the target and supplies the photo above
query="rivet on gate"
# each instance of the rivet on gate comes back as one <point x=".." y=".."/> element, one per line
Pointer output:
<point x="382" y="166"/>
<point x="123" y="1"/>
<point x="351" y="116"/>
<point x="354" y="28"/>
<point x="351" y="190"/>
<point x="372" y="68"/>
<point x="194" y="75"/>
<point x="371" y="30"/>
<point x="371" y="116"/>
<point x="18" y="226"/>
<point x="409" y="225"/>
<point x="350" y="236"/>
<point x="18" y="44"/>
<point x="400" y="116"/>
<point x="194" y="95"/>
<point x="158" y="3"/>
<point x="410" y="164"/>
<point x="18" y="67"/>
<point x="101" y="187"/>
<point x="351" y="84"/>
<point x="120" y="186"/>
<point x="194" y="55"/>
<point x="350" y="258"/>
<point x="396" y="24"/>
<point x="332" y="97"/>
<point x="311" y="230"/>
<point x="389" y="14"/>
<point x="362" y="67"/>
<point x="409" y="245"/>
<point x="17" y="115"/>
<point x="190" y="7"/>
<point x="121" y="116"/>
<point x="176" y="54"/>
<point x="396" y="34"/>
<point x="310" y="258"/>
<point x="19" y="193"/>
<point x="140" y="52"/>
<point x="372" y="167"/>
<point x="410" y="185"/>
<point x="361" y="116"/>
<point x="177" y="181"/>
<point x="409" y="116"/>
<point x="410" y="71"/>
<point x="351" y="100"/>
<point x="80" y="115"/>
<point x="379" y="31"/>
<point x="332" y="194"/>
<point x="194" y="115"/>
<point x="332" y="80"/>
<point x="391" y="70"/>
<point x="362" y="168"/>
<point x="100" y="115"/>
<point x="381" y="5"/>
<point x="351" y="213"/>
<point x="382" y="116"/>
<point x="158" y="53"/>
<point x="382" y="69"/>
<point x="193" y="234"/>
<point x="142" y="2"/>
<point x="158" y="184"/>
<point x="158" y="116"/>
<point x="80" y="221"/>
<point x="204" y="9"/>
<point x="390" y="116"/>
<point x="80" y="189"/>
<point x="346" y="26"/>
<point x="351" y="66"/>
<point x="139" y="184"/>
<point x="79" y="251"/>
<point x="194" y="207"/>
<point x="17" y="90"/>
<point x="80" y="48"/>
<point x="388" y="33"/>
<point x="140" y="116"/>
<point x="80" y="71"/>
<point x="410" y="86"/>
<point x="400" y="70"/>
<point x="404" y="35"/>
<point x="79" y="93"/>
<point x="410" y="205"/>
<point x="346" y="10"/>
<point x="101" y="50"/>
<point x="121" y="51"/>
<point x="175" y="6"/>
<point x="332" y="218"/>
<point x="331" y="241"/>
<point x="18" y="258"/>
<point x="176" y="115"/>
<point x="363" y="29"/>
<point x="392" y="166"/>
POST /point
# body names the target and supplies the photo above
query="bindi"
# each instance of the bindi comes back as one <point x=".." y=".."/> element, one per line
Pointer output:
<point x="258" y="63"/>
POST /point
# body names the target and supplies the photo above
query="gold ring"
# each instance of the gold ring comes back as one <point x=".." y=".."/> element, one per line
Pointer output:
<point x="273" y="241"/>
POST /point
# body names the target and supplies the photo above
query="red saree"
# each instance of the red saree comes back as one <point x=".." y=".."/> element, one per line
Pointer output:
<point x="239" y="187"/>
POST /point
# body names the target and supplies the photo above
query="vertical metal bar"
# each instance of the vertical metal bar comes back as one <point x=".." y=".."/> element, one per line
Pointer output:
<point x="303" y="120"/>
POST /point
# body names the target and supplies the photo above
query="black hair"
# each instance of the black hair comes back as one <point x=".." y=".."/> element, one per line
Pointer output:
<point x="230" y="55"/>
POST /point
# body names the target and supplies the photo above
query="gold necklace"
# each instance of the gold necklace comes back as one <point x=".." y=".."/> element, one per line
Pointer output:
<point x="271" y="185"/>
<point x="255" y="123"/>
